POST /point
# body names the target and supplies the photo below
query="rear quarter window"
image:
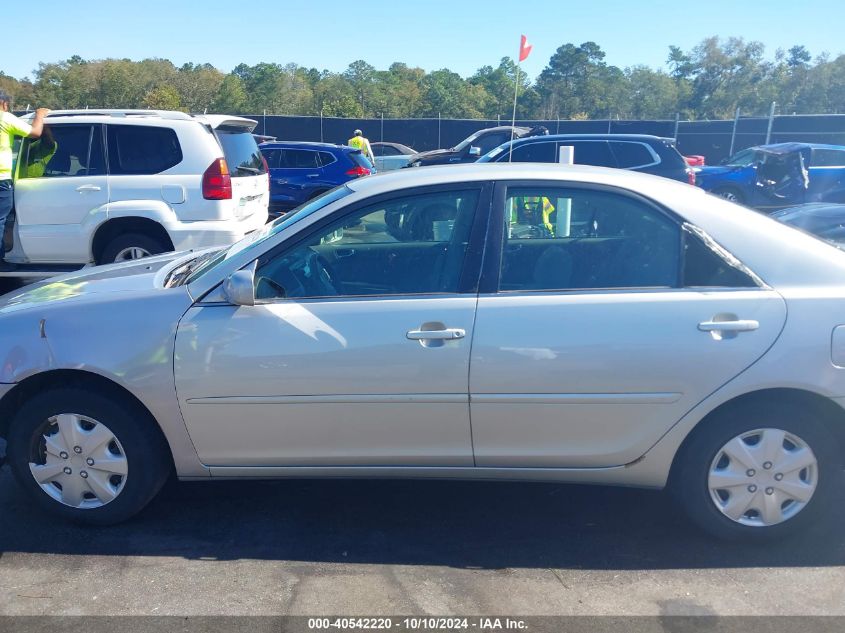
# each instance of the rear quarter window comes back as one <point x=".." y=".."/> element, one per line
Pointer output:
<point x="630" y="155"/>
<point x="240" y="151"/>
<point x="142" y="149"/>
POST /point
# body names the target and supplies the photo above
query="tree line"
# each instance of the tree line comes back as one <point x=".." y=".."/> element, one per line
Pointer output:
<point x="707" y="82"/>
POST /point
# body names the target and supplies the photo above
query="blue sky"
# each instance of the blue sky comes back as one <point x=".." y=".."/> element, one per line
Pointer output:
<point x="461" y="35"/>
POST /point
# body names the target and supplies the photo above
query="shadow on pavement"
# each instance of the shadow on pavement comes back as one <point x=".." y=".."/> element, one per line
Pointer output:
<point x="456" y="524"/>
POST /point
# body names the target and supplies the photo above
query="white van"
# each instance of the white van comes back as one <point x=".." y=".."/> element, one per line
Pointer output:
<point x="114" y="185"/>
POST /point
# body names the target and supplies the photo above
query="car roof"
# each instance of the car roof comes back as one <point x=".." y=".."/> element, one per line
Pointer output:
<point x="592" y="137"/>
<point x="813" y="208"/>
<point x="97" y="115"/>
<point x="785" y="148"/>
<point x="305" y="145"/>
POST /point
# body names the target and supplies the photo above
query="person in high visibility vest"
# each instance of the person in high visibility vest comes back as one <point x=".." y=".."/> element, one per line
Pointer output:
<point x="359" y="141"/>
<point x="530" y="210"/>
<point x="11" y="127"/>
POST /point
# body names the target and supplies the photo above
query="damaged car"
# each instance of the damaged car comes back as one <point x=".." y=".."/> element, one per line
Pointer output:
<point x="770" y="177"/>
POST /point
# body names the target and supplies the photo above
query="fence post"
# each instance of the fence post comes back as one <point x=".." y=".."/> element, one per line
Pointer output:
<point x="771" y="121"/>
<point x="321" y="125"/>
<point x="382" y="127"/>
<point x="438" y="130"/>
<point x="677" y="125"/>
<point x="733" y="133"/>
<point x="264" y="123"/>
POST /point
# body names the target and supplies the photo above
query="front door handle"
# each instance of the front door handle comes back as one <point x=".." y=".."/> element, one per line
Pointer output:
<point x="740" y="325"/>
<point x="312" y="176"/>
<point x="449" y="334"/>
<point x="83" y="188"/>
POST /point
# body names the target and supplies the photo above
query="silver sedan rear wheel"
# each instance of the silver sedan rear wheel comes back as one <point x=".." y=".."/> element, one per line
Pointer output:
<point x="763" y="477"/>
<point x="78" y="461"/>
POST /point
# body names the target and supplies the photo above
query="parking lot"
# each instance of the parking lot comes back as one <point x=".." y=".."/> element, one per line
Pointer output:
<point x="389" y="547"/>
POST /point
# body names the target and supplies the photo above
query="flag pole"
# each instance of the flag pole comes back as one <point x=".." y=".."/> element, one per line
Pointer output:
<point x="515" y="93"/>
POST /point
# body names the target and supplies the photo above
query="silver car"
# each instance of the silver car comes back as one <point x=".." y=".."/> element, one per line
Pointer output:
<point x="533" y="322"/>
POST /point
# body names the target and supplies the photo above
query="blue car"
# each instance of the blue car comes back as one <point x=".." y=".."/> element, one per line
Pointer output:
<point x="301" y="171"/>
<point x="770" y="177"/>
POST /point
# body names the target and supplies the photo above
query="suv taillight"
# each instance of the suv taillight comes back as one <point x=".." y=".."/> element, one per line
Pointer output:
<point x="690" y="176"/>
<point x="357" y="171"/>
<point x="216" y="181"/>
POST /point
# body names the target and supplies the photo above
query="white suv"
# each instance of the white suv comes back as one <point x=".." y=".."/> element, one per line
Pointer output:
<point x="105" y="186"/>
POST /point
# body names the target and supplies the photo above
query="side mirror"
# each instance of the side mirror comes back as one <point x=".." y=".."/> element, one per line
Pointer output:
<point x="474" y="151"/>
<point x="239" y="288"/>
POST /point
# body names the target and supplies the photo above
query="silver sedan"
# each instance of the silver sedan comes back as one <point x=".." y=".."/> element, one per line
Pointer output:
<point x="533" y="322"/>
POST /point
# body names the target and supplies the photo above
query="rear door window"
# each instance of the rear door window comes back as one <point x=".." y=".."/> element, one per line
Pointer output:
<point x="595" y="153"/>
<point x="142" y="149"/>
<point x="240" y="151"/>
<point x="828" y="158"/>
<point x="631" y="155"/>
<point x="300" y="159"/>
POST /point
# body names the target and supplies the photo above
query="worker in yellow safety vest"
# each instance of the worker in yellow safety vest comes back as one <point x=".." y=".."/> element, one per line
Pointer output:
<point x="530" y="210"/>
<point x="359" y="141"/>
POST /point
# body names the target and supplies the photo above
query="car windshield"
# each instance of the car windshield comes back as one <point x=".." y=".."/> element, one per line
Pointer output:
<point x="467" y="141"/>
<point x="203" y="264"/>
<point x="741" y="159"/>
<point x="489" y="156"/>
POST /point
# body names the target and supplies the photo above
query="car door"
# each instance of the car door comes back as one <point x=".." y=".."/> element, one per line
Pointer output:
<point x="332" y="368"/>
<point x="826" y="175"/>
<point x="299" y="173"/>
<point x="596" y="334"/>
<point x="61" y="185"/>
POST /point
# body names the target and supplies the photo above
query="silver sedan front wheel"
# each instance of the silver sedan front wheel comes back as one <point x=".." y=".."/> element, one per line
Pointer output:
<point x="763" y="477"/>
<point x="78" y="461"/>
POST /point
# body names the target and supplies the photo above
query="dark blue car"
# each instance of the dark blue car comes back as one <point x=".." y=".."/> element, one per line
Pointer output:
<point x="300" y="171"/>
<point x="636" y="152"/>
<point x="770" y="177"/>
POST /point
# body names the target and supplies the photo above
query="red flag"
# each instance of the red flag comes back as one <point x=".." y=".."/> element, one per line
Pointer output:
<point x="524" y="49"/>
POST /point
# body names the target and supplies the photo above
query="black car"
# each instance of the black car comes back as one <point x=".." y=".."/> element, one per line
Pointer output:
<point x="637" y="152"/>
<point x="823" y="220"/>
<point x="471" y="148"/>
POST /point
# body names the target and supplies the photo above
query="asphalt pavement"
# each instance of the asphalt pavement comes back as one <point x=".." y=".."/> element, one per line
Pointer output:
<point x="404" y="547"/>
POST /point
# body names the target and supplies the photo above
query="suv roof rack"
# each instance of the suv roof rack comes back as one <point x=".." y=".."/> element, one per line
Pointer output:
<point x="161" y="114"/>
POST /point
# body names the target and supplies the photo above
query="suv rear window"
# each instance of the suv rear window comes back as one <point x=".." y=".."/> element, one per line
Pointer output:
<point x="359" y="159"/>
<point x="240" y="151"/>
<point x="142" y="149"/>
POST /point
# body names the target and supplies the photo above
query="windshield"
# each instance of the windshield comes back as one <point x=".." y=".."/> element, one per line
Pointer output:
<point x="741" y="159"/>
<point x="202" y="265"/>
<point x="489" y="156"/>
<point x="467" y="141"/>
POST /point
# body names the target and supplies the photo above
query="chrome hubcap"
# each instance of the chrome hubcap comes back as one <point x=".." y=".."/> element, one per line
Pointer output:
<point x="78" y="461"/>
<point x="763" y="477"/>
<point x="130" y="253"/>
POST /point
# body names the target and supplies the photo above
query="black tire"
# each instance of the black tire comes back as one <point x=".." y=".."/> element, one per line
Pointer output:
<point x="146" y="451"/>
<point x="731" y="194"/>
<point x="689" y="482"/>
<point x="150" y="244"/>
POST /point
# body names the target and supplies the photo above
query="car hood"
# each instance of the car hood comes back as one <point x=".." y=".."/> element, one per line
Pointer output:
<point x="137" y="276"/>
<point x="434" y="153"/>
<point x="717" y="170"/>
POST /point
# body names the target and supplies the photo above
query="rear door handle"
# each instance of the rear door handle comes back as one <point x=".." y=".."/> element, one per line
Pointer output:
<point x="449" y="334"/>
<point x="83" y="188"/>
<point x="312" y="176"/>
<point x="740" y="325"/>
